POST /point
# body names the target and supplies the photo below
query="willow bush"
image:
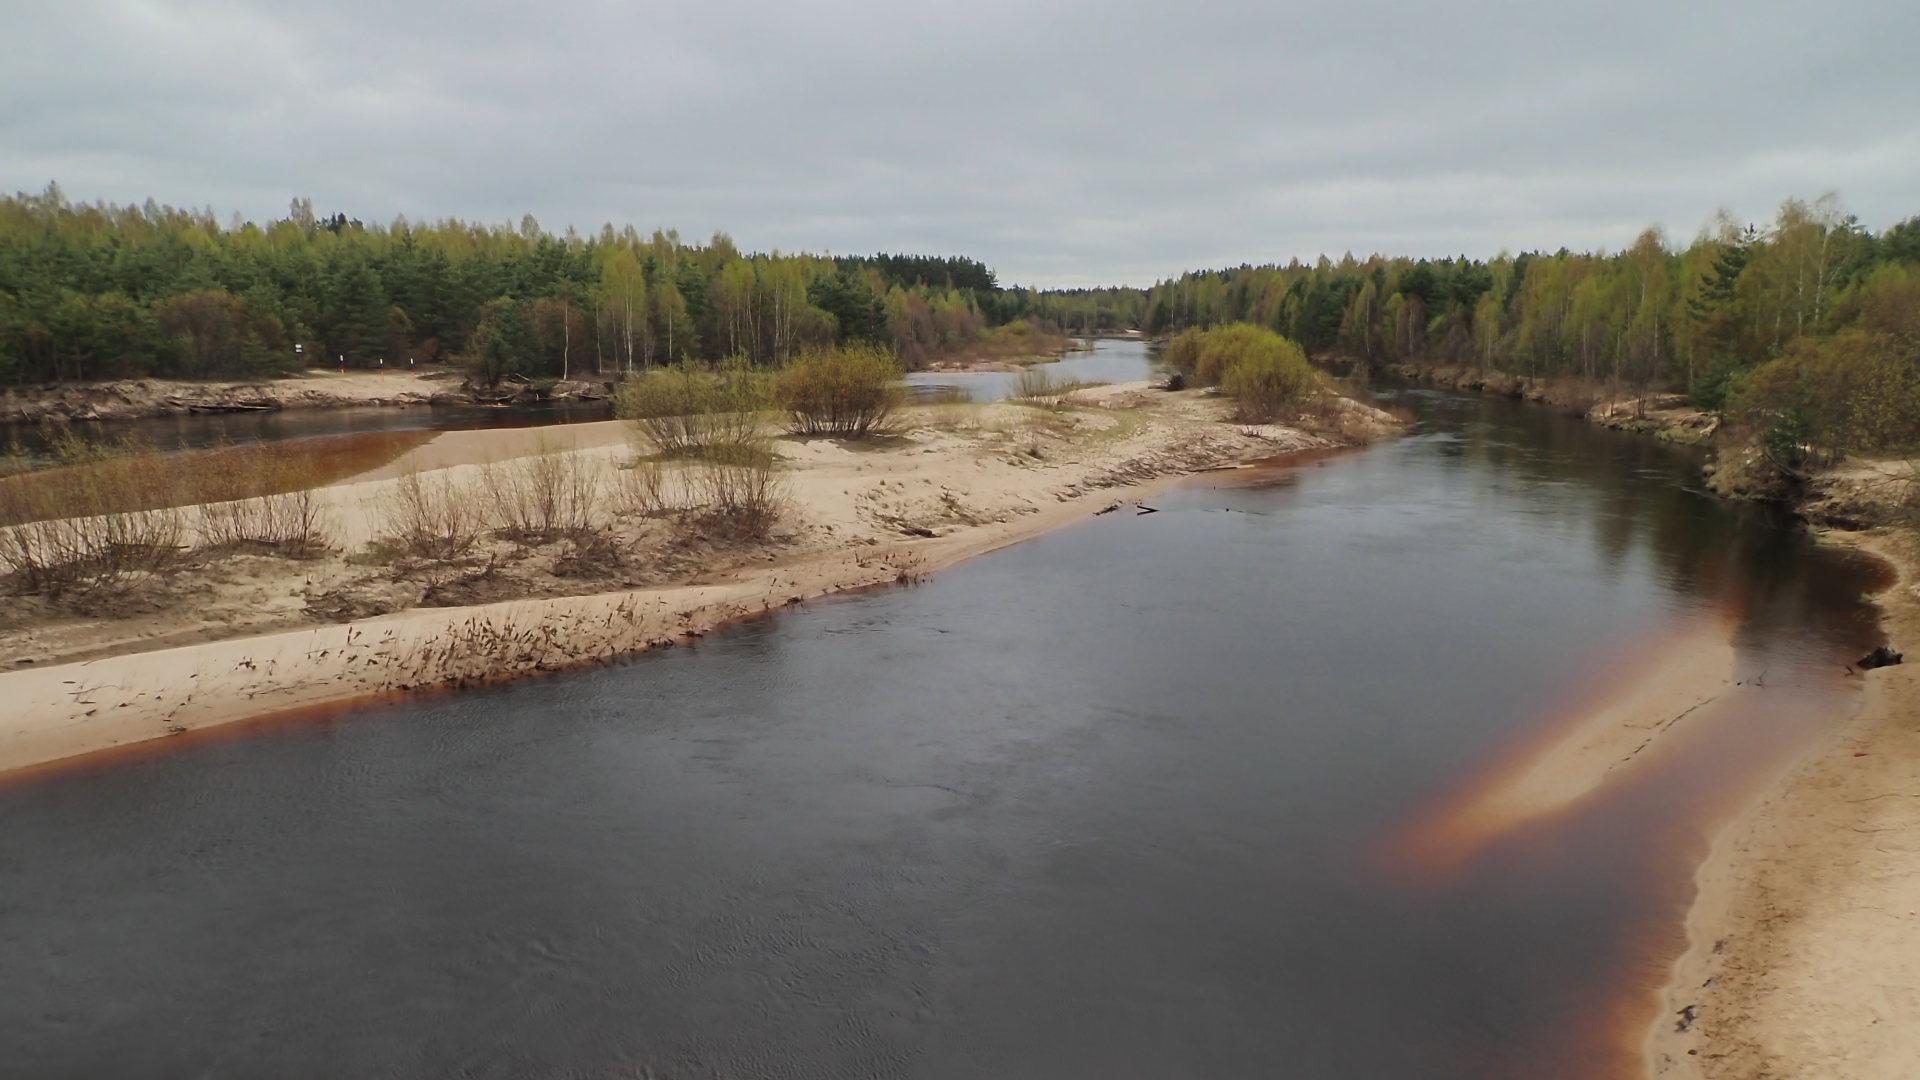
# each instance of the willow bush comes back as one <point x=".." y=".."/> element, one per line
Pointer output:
<point x="850" y="392"/>
<point x="697" y="410"/>
<point x="1268" y="377"/>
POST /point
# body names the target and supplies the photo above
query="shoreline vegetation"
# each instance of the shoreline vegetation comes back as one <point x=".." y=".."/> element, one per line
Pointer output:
<point x="470" y="556"/>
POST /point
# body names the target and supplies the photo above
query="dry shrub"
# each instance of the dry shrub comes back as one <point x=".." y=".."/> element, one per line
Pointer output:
<point x="742" y="500"/>
<point x="290" y="523"/>
<point x="850" y="392"/>
<point x="68" y="530"/>
<point x="543" y="497"/>
<point x="689" y="410"/>
<point x="649" y="487"/>
<point x="289" y="519"/>
<point x="433" y="516"/>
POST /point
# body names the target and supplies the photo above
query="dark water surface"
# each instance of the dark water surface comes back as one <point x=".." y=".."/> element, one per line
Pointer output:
<point x="203" y="431"/>
<point x="1108" y="804"/>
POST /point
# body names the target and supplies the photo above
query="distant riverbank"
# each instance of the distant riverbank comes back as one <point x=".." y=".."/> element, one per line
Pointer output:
<point x="1667" y="416"/>
<point x="138" y="399"/>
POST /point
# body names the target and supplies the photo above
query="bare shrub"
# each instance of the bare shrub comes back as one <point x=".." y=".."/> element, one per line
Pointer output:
<point x="543" y="497"/>
<point x="433" y="516"/>
<point x="648" y="487"/>
<point x="69" y="530"/>
<point x="1036" y="385"/>
<point x="291" y="523"/>
<point x="689" y="410"/>
<point x="290" y="518"/>
<point x="851" y="392"/>
<point x="742" y="500"/>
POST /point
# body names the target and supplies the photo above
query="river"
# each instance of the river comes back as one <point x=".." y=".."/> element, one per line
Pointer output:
<point x="1105" y="361"/>
<point x="1123" y="801"/>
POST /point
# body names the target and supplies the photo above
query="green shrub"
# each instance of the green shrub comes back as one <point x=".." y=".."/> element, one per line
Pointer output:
<point x="1265" y="375"/>
<point x="1221" y="347"/>
<point x="1857" y="391"/>
<point x="692" y="410"/>
<point x="1183" y="352"/>
<point x="851" y="391"/>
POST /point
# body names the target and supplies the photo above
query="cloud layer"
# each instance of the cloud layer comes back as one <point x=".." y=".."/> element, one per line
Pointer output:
<point x="1062" y="142"/>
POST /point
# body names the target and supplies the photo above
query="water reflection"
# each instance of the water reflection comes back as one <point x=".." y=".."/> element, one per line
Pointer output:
<point x="1108" y="361"/>
<point x="204" y="431"/>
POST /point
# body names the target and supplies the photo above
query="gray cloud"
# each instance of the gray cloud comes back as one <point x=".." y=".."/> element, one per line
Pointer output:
<point x="1063" y="143"/>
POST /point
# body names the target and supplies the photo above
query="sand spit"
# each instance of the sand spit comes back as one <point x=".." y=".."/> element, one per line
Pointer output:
<point x="1803" y="955"/>
<point x="1625" y="720"/>
<point x="252" y="635"/>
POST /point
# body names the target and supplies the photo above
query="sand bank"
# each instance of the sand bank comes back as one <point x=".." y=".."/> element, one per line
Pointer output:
<point x="1803" y="955"/>
<point x="1638" y="702"/>
<point x="279" y="634"/>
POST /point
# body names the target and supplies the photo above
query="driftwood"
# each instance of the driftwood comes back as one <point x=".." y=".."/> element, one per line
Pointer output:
<point x="1880" y="657"/>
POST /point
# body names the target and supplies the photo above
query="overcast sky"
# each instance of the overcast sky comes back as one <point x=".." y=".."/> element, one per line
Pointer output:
<point x="1062" y="143"/>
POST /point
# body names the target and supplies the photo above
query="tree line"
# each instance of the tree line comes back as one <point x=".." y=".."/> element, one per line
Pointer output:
<point x="97" y="291"/>
<point x="1806" y="329"/>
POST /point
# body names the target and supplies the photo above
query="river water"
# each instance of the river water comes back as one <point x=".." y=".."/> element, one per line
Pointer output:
<point x="1118" y="802"/>
<point x="1105" y="361"/>
<point x="204" y="431"/>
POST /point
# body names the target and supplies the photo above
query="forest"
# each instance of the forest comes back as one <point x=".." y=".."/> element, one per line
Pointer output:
<point x="1806" y="329"/>
<point x="96" y="291"/>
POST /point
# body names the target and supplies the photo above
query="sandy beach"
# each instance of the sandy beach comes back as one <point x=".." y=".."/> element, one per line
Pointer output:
<point x="1803" y="955"/>
<point x="248" y="635"/>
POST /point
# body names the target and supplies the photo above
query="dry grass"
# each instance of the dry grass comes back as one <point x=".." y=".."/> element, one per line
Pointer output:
<point x="1036" y="385"/>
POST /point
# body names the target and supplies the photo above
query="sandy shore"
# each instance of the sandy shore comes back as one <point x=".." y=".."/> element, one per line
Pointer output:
<point x="254" y="635"/>
<point x="1803" y="956"/>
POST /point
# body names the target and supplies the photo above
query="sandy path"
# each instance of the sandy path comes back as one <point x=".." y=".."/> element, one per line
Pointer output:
<point x="1803" y="956"/>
